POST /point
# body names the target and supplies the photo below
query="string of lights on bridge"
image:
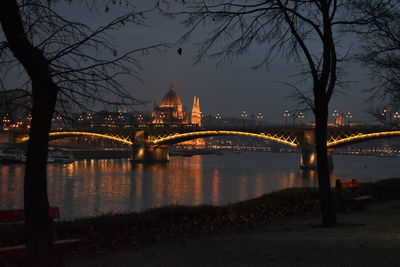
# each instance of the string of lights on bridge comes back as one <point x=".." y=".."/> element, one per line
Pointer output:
<point x="179" y="137"/>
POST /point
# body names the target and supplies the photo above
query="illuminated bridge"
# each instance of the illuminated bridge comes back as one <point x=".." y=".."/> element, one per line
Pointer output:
<point x="149" y="144"/>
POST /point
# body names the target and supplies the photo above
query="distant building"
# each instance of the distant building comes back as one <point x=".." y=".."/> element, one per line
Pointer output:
<point x="196" y="113"/>
<point x="171" y="110"/>
<point x="105" y="119"/>
<point x="15" y="108"/>
<point x="339" y="120"/>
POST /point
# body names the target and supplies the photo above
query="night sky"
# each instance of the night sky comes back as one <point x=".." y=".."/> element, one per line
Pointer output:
<point x="225" y="89"/>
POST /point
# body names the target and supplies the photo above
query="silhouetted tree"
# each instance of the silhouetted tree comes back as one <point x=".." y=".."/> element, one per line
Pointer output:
<point x="381" y="51"/>
<point x="61" y="60"/>
<point x="303" y="31"/>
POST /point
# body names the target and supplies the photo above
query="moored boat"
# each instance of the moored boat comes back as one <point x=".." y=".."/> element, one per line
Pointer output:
<point x="59" y="156"/>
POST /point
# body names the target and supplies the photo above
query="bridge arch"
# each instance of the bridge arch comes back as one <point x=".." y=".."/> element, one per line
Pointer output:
<point x="63" y="134"/>
<point x="360" y="137"/>
<point x="181" y="137"/>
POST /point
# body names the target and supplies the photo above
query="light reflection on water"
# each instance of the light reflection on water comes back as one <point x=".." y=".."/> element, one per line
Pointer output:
<point x="93" y="187"/>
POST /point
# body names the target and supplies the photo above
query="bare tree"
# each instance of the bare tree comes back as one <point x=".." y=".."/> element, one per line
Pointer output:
<point x="381" y="51"/>
<point x="61" y="60"/>
<point x="306" y="32"/>
<point x="386" y="112"/>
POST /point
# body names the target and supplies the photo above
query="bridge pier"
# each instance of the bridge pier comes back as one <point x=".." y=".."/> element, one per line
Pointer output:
<point x="308" y="159"/>
<point x="149" y="155"/>
<point x="142" y="153"/>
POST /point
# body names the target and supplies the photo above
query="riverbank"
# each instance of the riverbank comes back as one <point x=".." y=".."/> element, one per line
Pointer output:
<point x="370" y="237"/>
<point x="275" y="229"/>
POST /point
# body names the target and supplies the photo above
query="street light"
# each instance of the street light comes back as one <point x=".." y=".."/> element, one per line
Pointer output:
<point x="140" y="119"/>
<point x="260" y="117"/>
<point x="286" y="115"/>
<point x="384" y="115"/>
<point x="335" y="115"/>
<point x="387" y="116"/>
<point x="6" y="122"/>
<point x="28" y="121"/>
<point x="348" y="116"/>
<point x="396" y="117"/>
<point x="218" y="117"/>
<point x="301" y="117"/>
<point x="244" y="116"/>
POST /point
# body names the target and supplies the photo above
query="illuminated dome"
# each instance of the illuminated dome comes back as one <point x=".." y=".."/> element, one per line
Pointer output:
<point x="171" y="99"/>
<point x="172" y="112"/>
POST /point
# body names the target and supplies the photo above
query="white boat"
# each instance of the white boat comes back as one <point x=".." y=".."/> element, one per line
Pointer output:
<point x="59" y="156"/>
<point x="12" y="155"/>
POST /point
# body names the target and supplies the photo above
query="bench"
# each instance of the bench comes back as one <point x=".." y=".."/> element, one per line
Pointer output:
<point x="347" y="196"/>
<point x="16" y="216"/>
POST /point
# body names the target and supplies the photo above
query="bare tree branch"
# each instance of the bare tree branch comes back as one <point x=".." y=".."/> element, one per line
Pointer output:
<point x="381" y="49"/>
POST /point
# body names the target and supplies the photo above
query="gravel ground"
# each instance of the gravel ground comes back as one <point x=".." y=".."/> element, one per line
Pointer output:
<point x="370" y="237"/>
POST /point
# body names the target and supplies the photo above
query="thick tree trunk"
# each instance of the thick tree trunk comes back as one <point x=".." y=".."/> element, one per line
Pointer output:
<point x="38" y="225"/>
<point x="327" y="201"/>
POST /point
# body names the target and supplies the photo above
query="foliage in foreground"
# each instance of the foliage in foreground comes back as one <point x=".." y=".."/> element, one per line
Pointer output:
<point x="175" y="220"/>
<point x="119" y="230"/>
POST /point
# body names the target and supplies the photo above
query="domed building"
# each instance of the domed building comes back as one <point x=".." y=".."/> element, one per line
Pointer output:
<point x="172" y="111"/>
<point x="171" y="99"/>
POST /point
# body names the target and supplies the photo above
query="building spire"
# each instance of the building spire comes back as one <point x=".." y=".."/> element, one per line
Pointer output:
<point x="196" y="113"/>
<point x="171" y="86"/>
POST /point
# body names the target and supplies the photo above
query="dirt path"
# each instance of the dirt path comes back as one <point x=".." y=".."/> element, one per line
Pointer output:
<point x="366" y="238"/>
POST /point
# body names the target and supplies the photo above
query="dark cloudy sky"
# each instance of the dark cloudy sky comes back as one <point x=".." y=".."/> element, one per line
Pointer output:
<point x="226" y="89"/>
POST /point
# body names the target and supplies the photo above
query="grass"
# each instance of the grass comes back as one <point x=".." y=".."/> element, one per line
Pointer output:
<point x="121" y="230"/>
<point x="384" y="190"/>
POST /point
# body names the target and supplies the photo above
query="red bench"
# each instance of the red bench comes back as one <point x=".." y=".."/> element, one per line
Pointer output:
<point x="10" y="216"/>
<point x="349" y="196"/>
<point x="15" y="216"/>
<point x="352" y="184"/>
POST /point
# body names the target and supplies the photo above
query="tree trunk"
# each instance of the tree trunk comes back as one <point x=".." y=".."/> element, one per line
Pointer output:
<point x="327" y="201"/>
<point x="38" y="224"/>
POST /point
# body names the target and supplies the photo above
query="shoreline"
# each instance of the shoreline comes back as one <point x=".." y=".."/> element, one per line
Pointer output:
<point x="370" y="237"/>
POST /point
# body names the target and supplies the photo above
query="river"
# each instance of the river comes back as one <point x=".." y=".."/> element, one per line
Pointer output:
<point x="92" y="187"/>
